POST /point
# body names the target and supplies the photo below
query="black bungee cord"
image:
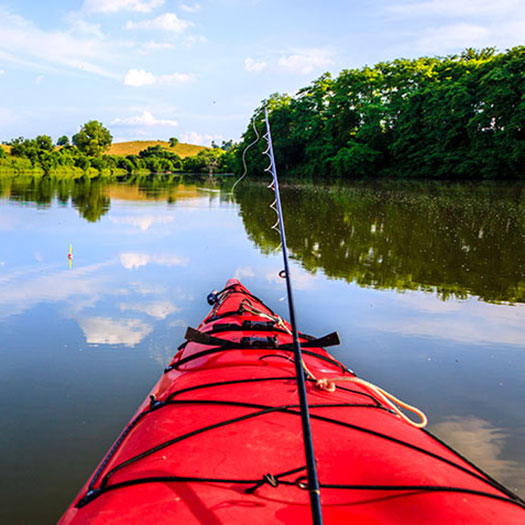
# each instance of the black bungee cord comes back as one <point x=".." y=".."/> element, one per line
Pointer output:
<point x="311" y="468"/>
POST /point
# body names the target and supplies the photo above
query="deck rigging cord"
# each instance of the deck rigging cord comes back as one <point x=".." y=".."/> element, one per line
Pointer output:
<point x="311" y="468"/>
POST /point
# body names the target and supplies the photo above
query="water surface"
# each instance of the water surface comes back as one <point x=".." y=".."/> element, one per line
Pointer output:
<point x="424" y="282"/>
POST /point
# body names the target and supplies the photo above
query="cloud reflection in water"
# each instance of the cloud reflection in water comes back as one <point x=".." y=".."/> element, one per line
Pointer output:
<point x="103" y="330"/>
<point x="483" y="444"/>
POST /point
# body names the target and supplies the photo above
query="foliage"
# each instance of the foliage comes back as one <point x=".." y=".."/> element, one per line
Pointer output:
<point x="210" y="161"/>
<point x="173" y="141"/>
<point x="93" y="138"/>
<point x="63" y="141"/>
<point x="84" y="156"/>
<point x="454" y="116"/>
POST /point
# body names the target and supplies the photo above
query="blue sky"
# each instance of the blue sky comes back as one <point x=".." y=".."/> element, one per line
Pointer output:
<point x="152" y="69"/>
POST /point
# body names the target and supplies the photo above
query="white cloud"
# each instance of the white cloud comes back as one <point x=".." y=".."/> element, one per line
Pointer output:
<point x="25" y="44"/>
<point x="306" y="60"/>
<point x="144" y="222"/>
<point x="166" y="22"/>
<point x="113" y="6"/>
<point x="197" y="138"/>
<point x="102" y="330"/>
<point x="38" y="79"/>
<point x="132" y="261"/>
<point x="139" y="77"/>
<point x="146" y="119"/>
<point x="190" y="8"/>
<point x="157" y="309"/>
<point x="2" y="71"/>
<point x="253" y="66"/>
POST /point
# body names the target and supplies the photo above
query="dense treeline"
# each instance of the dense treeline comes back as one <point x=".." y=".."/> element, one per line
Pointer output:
<point x="454" y="116"/>
<point x="85" y="156"/>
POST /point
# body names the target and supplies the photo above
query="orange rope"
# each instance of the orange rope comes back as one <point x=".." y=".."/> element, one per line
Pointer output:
<point x="389" y="399"/>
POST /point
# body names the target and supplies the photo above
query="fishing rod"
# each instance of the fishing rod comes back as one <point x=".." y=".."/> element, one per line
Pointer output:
<point x="313" y="481"/>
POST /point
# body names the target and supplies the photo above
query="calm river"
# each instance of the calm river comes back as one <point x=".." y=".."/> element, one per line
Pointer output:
<point x="424" y="282"/>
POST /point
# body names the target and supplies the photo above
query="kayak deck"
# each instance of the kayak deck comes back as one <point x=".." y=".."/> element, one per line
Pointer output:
<point x="219" y="440"/>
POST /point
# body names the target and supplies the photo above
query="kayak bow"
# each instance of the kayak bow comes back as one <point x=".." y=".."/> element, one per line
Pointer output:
<point x="219" y="441"/>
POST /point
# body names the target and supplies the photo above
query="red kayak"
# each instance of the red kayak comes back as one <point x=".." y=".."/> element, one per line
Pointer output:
<point x="219" y="440"/>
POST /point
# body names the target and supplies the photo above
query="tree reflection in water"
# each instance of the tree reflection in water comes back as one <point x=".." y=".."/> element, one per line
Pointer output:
<point x="455" y="239"/>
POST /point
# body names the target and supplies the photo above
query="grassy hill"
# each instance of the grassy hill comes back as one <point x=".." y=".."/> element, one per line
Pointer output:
<point x="134" y="147"/>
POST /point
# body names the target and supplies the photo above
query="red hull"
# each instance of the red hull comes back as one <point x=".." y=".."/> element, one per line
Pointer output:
<point x="373" y="467"/>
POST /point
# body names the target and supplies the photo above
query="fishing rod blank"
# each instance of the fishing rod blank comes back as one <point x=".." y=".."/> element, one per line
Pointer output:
<point x="313" y="482"/>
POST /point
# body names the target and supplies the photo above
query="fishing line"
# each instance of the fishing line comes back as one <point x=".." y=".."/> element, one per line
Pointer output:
<point x="245" y="166"/>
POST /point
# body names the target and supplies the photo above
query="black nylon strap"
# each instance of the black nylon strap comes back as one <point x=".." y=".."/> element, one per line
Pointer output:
<point x="204" y="338"/>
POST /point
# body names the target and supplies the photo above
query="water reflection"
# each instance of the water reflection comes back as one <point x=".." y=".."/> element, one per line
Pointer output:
<point x="142" y="222"/>
<point x="468" y="321"/>
<point x="106" y="331"/>
<point x="99" y="335"/>
<point x="482" y="443"/>
<point x="132" y="261"/>
<point x="24" y="288"/>
<point x="453" y="239"/>
<point x="92" y="197"/>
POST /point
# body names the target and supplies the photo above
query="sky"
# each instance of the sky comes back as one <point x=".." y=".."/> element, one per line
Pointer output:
<point x="196" y="70"/>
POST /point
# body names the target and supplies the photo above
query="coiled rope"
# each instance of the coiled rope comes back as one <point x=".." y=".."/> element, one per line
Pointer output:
<point x="388" y="399"/>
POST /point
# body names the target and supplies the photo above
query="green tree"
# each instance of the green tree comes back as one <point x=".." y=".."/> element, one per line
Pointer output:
<point x="93" y="138"/>
<point x="211" y="159"/>
<point x="44" y="142"/>
<point x="173" y="142"/>
<point x="63" y="141"/>
<point x="227" y="145"/>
